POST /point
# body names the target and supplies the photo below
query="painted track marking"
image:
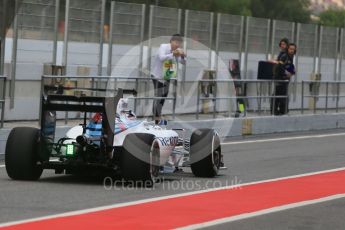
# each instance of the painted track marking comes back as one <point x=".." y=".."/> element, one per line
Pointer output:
<point x="202" y="206"/>
<point x="284" y="139"/>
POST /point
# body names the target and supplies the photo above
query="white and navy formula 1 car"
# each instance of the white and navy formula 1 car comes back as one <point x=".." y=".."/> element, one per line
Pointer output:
<point x="117" y="142"/>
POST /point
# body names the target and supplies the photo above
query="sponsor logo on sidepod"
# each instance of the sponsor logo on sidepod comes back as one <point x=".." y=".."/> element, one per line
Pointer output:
<point x="168" y="141"/>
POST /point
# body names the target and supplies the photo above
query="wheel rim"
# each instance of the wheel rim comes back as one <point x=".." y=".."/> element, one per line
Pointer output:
<point x="216" y="159"/>
<point x="154" y="161"/>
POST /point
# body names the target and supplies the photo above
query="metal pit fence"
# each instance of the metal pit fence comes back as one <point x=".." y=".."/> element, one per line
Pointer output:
<point x="322" y="96"/>
<point x="315" y="97"/>
<point x="101" y="85"/>
<point x="264" y="97"/>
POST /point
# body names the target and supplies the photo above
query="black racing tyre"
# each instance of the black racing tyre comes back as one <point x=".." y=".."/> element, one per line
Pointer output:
<point x="139" y="160"/>
<point x="21" y="154"/>
<point x="205" y="153"/>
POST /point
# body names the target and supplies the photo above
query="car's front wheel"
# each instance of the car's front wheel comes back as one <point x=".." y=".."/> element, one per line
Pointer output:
<point x="205" y="153"/>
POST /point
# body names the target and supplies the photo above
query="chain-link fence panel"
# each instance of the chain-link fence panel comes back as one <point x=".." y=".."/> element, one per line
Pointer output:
<point x="84" y="32"/>
<point x="85" y="20"/>
<point x="230" y="32"/>
<point x="329" y="42"/>
<point x="198" y="33"/>
<point x="328" y="52"/>
<point x="36" y="20"/>
<point x="257" y="35"/>
<point x="199" y="28"/>
<point x="127" y="23"/>
<point x="164" y="21"/>
<point x="280" y="30"/>
<point x="229" y="37"/>
<point x="307" y="39"/>
<point x="32" y="47"/>
<point x="33" y="40"/>
<point x="307" y="45"/>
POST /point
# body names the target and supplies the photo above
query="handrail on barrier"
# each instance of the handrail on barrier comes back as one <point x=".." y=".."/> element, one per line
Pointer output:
<point x="3" y="101"/>
<point x="95" y="78"/>
<point x="261" y="93"/>
<point x="201" y="82"/>
<point x="102" y="77"/>
<point x="242" y="80"/>
<point x="323" y="82"/>
<point x="313" y="84"/>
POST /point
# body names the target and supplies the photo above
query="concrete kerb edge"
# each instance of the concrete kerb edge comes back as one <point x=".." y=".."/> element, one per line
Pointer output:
<point x="269" y="124"/>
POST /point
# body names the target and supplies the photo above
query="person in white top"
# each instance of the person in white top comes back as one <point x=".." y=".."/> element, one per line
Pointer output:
<point x="164" y="68"/>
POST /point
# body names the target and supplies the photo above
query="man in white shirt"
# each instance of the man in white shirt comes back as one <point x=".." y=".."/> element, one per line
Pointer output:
<point x="164" y="68"/>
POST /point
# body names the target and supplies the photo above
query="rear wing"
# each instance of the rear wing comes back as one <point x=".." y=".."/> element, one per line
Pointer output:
<point x="53" y="100"/>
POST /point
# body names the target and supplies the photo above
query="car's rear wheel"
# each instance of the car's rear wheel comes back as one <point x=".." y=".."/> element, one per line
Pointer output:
<point x="140" y="158"/>
<point x="22" y="154"/>
<point x="205" y="153"/>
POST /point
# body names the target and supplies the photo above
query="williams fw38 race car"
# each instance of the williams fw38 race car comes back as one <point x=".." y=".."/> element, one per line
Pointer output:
<point x="111" y="141"/>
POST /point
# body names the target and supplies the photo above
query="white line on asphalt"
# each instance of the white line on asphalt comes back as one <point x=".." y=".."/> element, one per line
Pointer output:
<point x="261" y="212"/>
<point x="284" y="139"/>
<point x="102" y="208"/>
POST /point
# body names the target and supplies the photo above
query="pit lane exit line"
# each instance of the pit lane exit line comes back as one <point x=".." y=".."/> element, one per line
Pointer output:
<point x="284" y="139"/>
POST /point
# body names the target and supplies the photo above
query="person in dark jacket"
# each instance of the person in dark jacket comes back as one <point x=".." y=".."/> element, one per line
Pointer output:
<point x="284" y="71"/>
<point x="283" y="44"/>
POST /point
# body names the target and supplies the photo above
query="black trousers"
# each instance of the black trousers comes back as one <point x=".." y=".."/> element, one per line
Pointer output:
<point x="280" y="106"/>
<point x="161" y="89"/>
